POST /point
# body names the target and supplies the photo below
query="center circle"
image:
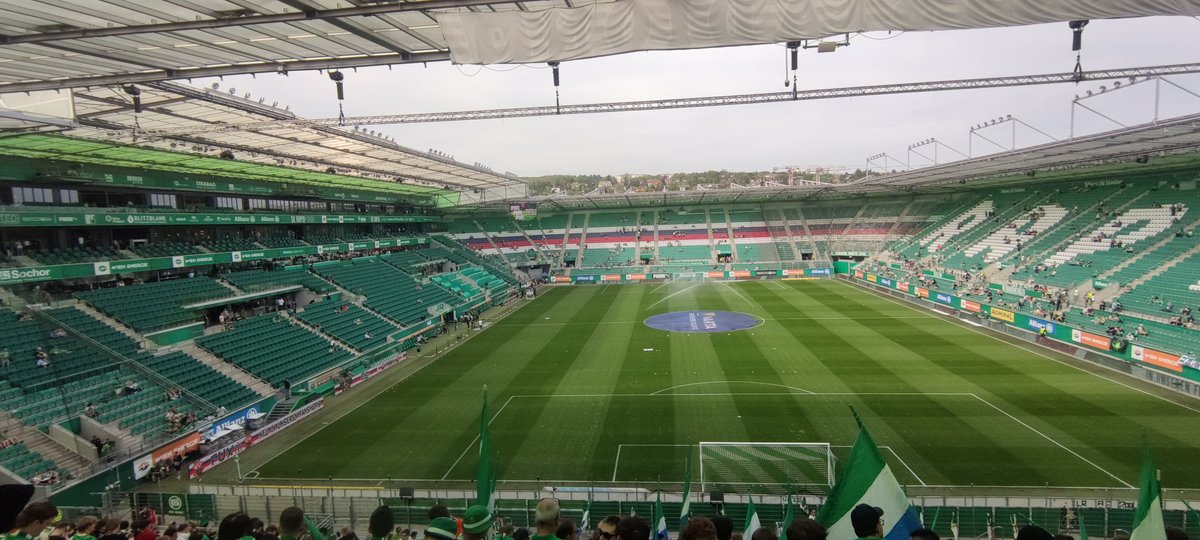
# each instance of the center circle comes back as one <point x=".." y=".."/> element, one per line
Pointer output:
<point x="702" y="321"/>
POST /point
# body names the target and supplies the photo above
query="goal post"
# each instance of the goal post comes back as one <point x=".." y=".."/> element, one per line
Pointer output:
<point x="766" y="466"/>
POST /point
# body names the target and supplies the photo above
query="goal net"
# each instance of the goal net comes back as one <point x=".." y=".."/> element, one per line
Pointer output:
<point x="766" y="467"/>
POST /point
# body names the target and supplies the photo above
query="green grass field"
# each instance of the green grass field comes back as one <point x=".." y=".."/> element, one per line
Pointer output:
<point x="571" y="386"/>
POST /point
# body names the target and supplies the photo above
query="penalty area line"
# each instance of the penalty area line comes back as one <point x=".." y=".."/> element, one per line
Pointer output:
<point x="663" y="299"/>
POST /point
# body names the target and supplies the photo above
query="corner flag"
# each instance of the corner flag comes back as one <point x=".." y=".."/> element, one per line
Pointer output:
<point x="1148" y="521"/>
<point x="485" y="479"/>
<point x="868" y="480"/>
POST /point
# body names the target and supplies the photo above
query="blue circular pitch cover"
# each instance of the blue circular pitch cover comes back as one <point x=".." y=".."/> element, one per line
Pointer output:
<point x="703" y="321"/>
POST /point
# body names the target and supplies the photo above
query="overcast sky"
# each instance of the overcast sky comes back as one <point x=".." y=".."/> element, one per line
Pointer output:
<point x="830" y="133"/>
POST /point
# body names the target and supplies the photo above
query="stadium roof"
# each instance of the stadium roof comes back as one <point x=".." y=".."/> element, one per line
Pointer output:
<point x="1151" y="148"/>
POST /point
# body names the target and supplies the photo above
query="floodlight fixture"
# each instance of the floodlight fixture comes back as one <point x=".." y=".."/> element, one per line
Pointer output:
<point x="337" y="78"/>
<point x="135" y="93"/>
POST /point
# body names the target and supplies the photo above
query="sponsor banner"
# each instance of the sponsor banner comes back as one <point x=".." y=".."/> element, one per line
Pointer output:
<point x="1003" y="315"/>
<point x="661" y="276"/>
<point x="800" y="272"/>
<point x="560" y="279"/>
<point x="1091" y="340"/>
<point x="148" y="219"/>
<point x="1039" y="325"/>
<point x="182" y="446"/>
<point x="610" y="277"/>
<point x="800" y="279"/>
<point x="587" y="279"/>
<point x="973" y="307"/>
<point x="377" y="369"/>
<point x="279" y="425"/>
<point x="902" y="286"/>
<point x="714" y="275"/>
<point x="872" y="278"/>
<point x="886" y="282"/>
<point x="241" y="417"/>
<point x="141" y="466"/>
<point x="922" y="292"/>
<point x="944" y="299"/>
<point x="229" y="452"/>
<point x="739" y="274"/>
<point x="858" y="274"/>
<point x="766" y="273"/>
<point x="1157" y="358"/>
<point x="636" y="277"/>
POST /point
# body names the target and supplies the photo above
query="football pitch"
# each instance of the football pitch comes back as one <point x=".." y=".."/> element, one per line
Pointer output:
<point x="582" y="390"/>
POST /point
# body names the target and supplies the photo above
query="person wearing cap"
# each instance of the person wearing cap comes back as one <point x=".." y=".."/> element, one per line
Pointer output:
<point x="32" y="520"/>
<point x="1033" y="532"/>
<point x="867" y="521"/>
<point x="476" y="523"/>
<point x="441" y="528"/>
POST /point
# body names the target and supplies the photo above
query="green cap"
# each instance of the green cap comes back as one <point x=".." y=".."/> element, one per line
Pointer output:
<point x="477" y="519"/>
<point x="443" y="528"/>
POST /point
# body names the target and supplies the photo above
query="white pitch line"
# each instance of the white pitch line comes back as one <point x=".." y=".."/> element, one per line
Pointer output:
<point x="776" y="283"/>
<point x="1056" y="443"/>
<point x="906" y="465"/>
<point x="476" y="439"/>
<point x="1028" y="350"/>
<point x="670" y="295"/>
<point x="659" y="287"/>
<point x="735" y="291"/>
<point x="334" y="420"/>
<point x="730" y="382"/>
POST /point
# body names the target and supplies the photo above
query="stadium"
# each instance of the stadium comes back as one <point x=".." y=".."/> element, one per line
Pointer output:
<point x="213" y="305"/>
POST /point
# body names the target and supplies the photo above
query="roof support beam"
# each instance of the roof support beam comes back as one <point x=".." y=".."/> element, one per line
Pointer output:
<point x="305" y="15"/>
<point x="221" y="71"/>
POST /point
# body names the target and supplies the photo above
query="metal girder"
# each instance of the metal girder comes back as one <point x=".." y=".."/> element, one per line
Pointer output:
<point x="298" y="16"/>
<point x="221" y="71"/>
<point x="710" y="101"/>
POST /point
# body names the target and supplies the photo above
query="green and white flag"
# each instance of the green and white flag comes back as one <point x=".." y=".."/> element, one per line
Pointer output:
<point x="752" y="522"/>
<point x="954" y="526"/>
<point x="660" y="520"/>
<point x="789" y="515"/>
<point x="1148" y="521"/>
<point x="587" y="514"/>
<point x="686" y="510"/>
<point x="1083" y="535"/>
<point x="485" y="479"/>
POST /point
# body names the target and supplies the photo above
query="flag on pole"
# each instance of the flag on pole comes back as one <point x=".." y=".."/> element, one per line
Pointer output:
<point x="868" y="479"/>
<point x="1083" y="535"/>
<point x="587" y="514"/>
<point x="789" y="515"/>
<point x="752" y="522"/>
<point x="1148" y="520"/>
<point x="660" y="520"/>
<point x="954" y="525"/>
<point x="485" y="479"/>
<point x="686" y="509"/>
<point x="1016" y="528"/>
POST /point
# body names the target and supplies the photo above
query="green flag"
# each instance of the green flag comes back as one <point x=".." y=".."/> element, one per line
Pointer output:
<point x="1083" y="535"/>
<point x="686" y="509"/>
<point x="587" y="513"/>
<point x="789" y="515"/>
<point x="485" y="479"/>
<point x="660" y="520"/>
<point x="1148" y="521"/>
<point x="752" y="522"/>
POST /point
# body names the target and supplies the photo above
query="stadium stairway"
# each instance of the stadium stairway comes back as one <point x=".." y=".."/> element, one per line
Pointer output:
<point x="64" y="458"/>
<point x="1163" y="267"/>
<point x="113" y="323"/>
<point x="336" y="340"/>
<point x="1138" y="256"/>
<point x="246" y="378"/>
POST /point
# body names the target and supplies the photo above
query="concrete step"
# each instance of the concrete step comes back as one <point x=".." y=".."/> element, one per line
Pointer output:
<point x="41" y="443"/>
<point x="232" y="371"/>
<point x="115" y="325"/>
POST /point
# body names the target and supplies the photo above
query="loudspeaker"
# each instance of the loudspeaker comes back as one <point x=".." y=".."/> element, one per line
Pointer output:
<point x="407" y="492"/>
<point x="716" y="496"/>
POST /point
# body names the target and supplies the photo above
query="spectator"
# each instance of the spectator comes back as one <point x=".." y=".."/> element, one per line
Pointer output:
<point x="347" y="534"/>
<point x="381" y="523"/>
<point x="91" y="412"/>
<point x="1175" y="533"/>
<point x="33" y="520"/>
<point x="506" y="532"/>
<point x="235" y="526"/>
<point x="765" y="533"/>
<point x="607" y="528"/>
<point x="184" y="530"/>
<point x="85" y="527"/>
<point x="566" y="530"/>
<point x="806" y="529"/>
<point x="632" y="528"/>
<point x="476" y="523"/>
<point x="868" y="521"/>
<point x="546" y="519"/>
<point x="111" y="530"/>
<point x="724" y="526"/>
<point x="5" y="357"/>
<point x="441" y="528"/>
<point x="702" y="529"/>
<point x="144" y="529"/>
<point x="923" y="534"/>
<point x="294" y="525"/>
<point x="1033" y="532"/>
